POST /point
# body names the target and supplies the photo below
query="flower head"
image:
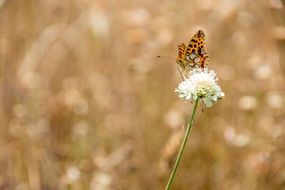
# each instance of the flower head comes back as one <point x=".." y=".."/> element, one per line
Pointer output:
<point x="202" y="84"/>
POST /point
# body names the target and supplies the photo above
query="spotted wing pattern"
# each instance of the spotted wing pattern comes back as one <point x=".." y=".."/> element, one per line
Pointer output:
<point x="181" y="55"/>
<point x="195" y="54"/>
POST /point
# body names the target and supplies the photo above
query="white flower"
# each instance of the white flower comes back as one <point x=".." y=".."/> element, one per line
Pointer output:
<point x="202" y="84"/>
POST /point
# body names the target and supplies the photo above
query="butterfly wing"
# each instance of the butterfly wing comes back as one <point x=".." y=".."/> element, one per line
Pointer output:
<point x="195" y="53"/>
<point x="181" y="55"/>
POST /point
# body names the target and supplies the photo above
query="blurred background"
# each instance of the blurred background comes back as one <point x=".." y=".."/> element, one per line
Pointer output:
<point x="86" y="104"/>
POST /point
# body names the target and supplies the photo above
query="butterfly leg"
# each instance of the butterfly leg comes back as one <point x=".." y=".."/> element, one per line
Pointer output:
<point x="181" y="74"/>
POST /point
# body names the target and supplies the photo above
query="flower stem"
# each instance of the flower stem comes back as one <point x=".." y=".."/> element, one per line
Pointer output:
<point x="188" y="131"/>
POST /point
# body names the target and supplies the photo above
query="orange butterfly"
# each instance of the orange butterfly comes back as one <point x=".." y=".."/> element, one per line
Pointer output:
<point x="195" y="55"/>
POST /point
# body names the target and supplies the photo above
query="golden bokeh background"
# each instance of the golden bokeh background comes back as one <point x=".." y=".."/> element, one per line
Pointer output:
<point x="86" y="104"/>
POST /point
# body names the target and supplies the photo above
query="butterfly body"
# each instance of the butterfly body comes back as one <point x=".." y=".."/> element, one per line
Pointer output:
<point x="194" y="55"/>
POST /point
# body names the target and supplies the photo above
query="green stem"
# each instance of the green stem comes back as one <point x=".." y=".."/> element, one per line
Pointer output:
<point x="188" y="131"/>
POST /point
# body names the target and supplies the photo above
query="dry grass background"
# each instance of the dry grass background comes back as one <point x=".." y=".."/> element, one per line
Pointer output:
<point x="85" y="104"/>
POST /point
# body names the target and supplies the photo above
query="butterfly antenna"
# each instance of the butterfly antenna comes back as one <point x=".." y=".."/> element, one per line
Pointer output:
<point x="165" y="57"/>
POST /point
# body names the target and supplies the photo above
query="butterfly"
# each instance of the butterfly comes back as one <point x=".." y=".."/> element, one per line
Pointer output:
<point x="195" y="54"/>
